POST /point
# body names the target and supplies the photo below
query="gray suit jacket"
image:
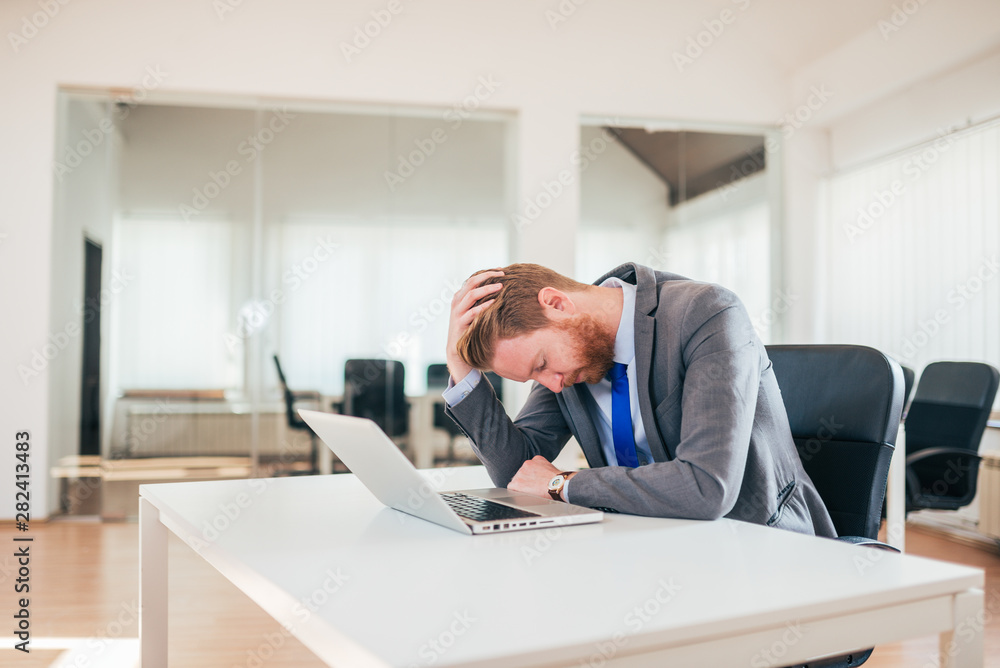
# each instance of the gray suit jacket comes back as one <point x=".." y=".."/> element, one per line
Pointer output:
<point x="710" y="405"/>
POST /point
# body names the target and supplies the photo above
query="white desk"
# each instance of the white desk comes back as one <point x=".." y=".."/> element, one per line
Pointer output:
<point x="391" y="590"/>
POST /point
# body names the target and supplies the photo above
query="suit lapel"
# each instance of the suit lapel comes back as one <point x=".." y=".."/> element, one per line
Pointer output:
<point x="646" y="301"/>
<point x="581" y="412"/>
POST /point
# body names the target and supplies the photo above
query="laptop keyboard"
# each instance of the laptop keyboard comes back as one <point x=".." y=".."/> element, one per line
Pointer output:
<point x="482" y="510"/>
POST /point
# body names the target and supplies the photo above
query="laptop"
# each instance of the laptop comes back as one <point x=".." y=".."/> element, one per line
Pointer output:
<point x="384" y="469"/>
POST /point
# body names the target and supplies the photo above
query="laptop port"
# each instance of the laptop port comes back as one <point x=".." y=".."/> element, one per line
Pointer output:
<point x="506" y="525"/>
<point x="531" y="524"/>
<point x="496" y="526"/>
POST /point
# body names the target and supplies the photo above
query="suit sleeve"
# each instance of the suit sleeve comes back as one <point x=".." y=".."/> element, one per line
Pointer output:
<point x="721" y="360"/>
<point x="504" y="445"/>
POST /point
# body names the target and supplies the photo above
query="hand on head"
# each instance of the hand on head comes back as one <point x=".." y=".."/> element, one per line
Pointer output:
<point x="470" y="300"/>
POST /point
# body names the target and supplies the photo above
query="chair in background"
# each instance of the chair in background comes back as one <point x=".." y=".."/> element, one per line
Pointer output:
<point x="944" y="427"/>
<point x="437" y="377"/>
<point x="296" y="423"/>
<point x="843" y="405"/>
<point x="375" y="389"/>
<point x="437" y="381"/>
<point x="908" y="376"/>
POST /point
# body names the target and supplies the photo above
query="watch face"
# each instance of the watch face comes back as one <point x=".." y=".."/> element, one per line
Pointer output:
<point x="555" y="482"/>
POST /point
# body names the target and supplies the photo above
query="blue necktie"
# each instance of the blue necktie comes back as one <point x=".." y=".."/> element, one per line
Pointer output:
<point x="621" y="417"/>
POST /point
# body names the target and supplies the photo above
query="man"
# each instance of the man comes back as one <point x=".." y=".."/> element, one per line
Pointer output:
<point x="661" y="379"/>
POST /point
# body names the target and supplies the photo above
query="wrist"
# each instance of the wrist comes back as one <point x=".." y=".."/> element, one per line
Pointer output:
<point x="565" y="489"/>
<point x="557" y="485"/>
<point x="457" y="368"/>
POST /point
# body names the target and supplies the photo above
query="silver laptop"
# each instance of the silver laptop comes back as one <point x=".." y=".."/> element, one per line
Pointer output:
<point x="385" y="470"/>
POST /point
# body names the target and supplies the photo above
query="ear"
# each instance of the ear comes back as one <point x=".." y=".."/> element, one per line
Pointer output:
<point x="556" y="304"/>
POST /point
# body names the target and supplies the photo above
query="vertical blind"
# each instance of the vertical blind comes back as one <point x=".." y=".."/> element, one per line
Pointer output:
<point x="331" y="290"/>
<point x="384" y="292"/>
<point x="174" y="312"/>
<point x="913" y="251"/>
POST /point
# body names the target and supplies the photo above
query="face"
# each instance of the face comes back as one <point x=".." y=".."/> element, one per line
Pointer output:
<point x="569" y="351"/>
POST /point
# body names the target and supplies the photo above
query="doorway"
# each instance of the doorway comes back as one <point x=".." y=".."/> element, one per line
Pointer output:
<point x="90" y="391"/>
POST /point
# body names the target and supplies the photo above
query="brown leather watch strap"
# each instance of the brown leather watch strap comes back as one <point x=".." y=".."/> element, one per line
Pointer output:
<point x="556" y="493"/>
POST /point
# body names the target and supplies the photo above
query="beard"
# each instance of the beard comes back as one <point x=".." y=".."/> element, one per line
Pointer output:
<point x="595" y="346"/>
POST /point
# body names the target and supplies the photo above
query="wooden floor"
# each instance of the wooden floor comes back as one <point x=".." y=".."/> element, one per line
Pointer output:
<point x="84" y="580"/>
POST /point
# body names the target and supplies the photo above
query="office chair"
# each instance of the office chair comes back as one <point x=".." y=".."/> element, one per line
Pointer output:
<point x="843" y="405"/>
<point x="437" y="381"/>
<point x="296" y="423"/>
<point x="908" y="376"/>
<point x="944" y="427"/>
<point x="375" y="389"/>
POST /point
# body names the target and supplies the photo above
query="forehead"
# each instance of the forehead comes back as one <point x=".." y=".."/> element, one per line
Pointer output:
<point x="517" y="358"/>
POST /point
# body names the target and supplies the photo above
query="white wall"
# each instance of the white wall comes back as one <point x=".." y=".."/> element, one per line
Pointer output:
<point x="317" y="164"/>
<point x="605" y="59"/>
<point x="962" y="96"/>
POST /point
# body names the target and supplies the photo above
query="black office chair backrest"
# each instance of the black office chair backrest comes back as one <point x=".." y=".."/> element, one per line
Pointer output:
<point x="375" y="389"/>
<point x="437" y="377"/>
<point x="949" y="410"/>
<point x="951" y="406"/>
<point x="908" y="376"/>
<point x="843" y="404"/>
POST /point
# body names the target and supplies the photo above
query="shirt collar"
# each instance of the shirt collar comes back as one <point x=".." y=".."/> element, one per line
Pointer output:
<point x="625" y="337"/>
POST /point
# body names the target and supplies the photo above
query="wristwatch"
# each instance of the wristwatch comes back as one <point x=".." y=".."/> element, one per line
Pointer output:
<point x="557" y="483"/>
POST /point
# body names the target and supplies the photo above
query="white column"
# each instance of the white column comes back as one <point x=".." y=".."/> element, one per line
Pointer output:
<point x="895" y="495"/>
<point x="804" y="161"/>
<point x="546" y="211"/>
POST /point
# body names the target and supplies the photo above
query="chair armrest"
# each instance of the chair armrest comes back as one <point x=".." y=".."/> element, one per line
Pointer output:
<point x="913" y="485"/>
<point x="935" y="452"/>
<point x="867" y="542"/>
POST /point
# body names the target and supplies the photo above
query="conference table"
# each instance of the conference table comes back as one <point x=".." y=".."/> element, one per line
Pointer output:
<point x="363" y="585"/>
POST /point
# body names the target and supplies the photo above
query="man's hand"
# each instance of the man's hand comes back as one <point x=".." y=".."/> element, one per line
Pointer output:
<point x="463" y="313"/>
<point x="533" y="477"/>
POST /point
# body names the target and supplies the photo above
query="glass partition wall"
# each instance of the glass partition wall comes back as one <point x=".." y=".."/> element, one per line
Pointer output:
<point x="232" y="237"/>
<point x="235" y="235"/>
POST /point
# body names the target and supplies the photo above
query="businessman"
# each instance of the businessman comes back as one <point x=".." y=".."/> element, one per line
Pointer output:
<point x="661" y="379"/>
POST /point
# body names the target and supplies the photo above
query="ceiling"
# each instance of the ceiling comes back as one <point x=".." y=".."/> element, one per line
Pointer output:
<point x="694" y="163"/>
<point x="794" y="34"/>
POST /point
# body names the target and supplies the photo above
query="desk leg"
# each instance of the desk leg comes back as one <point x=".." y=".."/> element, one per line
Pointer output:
<point x="962" y="647"/>
<point x="895" y="495"/>
<point x="152" y="587"/>
<point x="422" y="432"/>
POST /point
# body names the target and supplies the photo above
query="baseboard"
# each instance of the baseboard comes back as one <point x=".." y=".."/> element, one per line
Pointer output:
<point x="952" y="530"/>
